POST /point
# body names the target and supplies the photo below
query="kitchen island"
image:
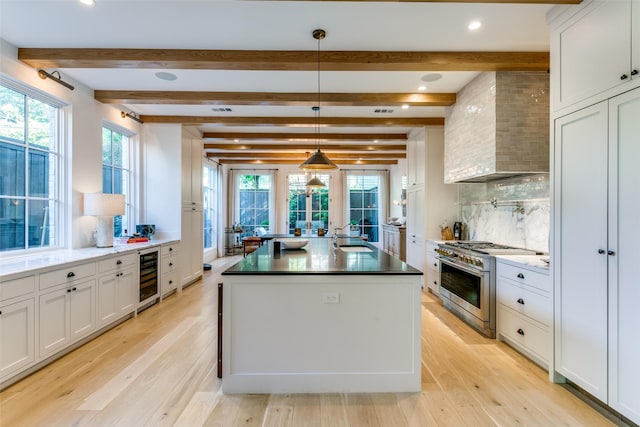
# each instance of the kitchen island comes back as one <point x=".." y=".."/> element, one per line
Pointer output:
<point x="321" y="320"/>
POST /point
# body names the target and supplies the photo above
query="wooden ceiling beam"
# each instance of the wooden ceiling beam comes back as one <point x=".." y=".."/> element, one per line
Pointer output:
<point x="312" y="136"/>
<point x="307" y="147"/>
<point x="274" y="98"/>
<point x="303" y="156"/>
<point x="297" y="121"/>
<point x="297" y="162"/>
<point x="287" y="60"/>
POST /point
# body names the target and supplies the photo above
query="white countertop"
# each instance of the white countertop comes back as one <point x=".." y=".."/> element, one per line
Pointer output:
<point x="527" y="260"/>
<point x="50" y="259"/>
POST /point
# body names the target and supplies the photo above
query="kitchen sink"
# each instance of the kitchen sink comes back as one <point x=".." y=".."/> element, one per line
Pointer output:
<point x="355" y="249"/>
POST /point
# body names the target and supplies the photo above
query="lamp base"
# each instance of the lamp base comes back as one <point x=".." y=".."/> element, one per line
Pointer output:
<point x="105" y="232"/>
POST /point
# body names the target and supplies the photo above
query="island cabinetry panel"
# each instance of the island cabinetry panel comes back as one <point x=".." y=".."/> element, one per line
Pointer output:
<point x="394" y="240"/>
<point x="67" y="314"/>
<point x="117" y="287"/>
<point x="525" y="309"/>
<point x="433" y="268"/>
<point x="17" y="347"/>
<point x="612" y="62"/>
<point x="169" y="268"/>
<point x="596" y="269"/>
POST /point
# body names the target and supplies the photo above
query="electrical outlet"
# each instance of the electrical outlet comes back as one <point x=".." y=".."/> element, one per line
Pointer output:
<point x="331" y="298"/>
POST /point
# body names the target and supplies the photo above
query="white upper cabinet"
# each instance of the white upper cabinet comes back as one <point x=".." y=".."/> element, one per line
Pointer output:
<point x="191" y="171"/>
<point x="416" y="160"/>
<point x="595" y="53"/>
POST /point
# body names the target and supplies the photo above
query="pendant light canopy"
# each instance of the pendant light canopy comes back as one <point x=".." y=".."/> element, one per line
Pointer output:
<point x="318" y="160"/>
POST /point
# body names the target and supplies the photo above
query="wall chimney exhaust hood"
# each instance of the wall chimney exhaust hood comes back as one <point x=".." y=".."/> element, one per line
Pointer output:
<point x="498" y="128"/>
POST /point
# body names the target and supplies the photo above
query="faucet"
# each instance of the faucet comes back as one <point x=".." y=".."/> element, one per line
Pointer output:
<point x="334" y="239"/>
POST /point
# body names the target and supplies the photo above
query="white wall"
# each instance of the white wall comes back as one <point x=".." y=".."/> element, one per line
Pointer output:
<point x="84" y="118"/>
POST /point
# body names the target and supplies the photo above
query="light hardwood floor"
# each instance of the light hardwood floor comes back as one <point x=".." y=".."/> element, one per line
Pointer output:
<point x="159" y="369"/>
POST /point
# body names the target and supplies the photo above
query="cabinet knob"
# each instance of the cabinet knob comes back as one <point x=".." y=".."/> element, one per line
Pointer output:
<point x="435" y="264"/>
<point x="0" y="313"/>
<point x="520" y="276"/>
<point x="601" y="251"/>
<point x="118" y="262"/>
<point x="68" y="290"/>
<point x="612" y="253"/>
<point x="71" y="274"/>
<point x="624" y="77"/>
<point x="170" y="281"/>
<point x="634" y="72"/>
<point x="170" y="249"/>
<point x="520" y="301"/>
<point x="520" y="331"/>
<point x="74" y="289"/>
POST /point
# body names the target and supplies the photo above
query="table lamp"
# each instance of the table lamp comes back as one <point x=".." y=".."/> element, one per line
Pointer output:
<point x="105" y="207"/>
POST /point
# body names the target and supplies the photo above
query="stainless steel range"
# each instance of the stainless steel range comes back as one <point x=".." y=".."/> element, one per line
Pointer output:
<point x="468" y="280"/>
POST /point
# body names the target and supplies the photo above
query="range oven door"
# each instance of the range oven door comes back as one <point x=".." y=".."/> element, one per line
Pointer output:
<point x="467" y="288"/>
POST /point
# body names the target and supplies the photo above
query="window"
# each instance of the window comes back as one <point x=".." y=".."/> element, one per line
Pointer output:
<point x="116" y="173"/>
<point x="365" y="202"/>
<point x="254" y="201"/>
<point x="308" y="209"/>
<point x="210" y="190"/>
<point x="29" y="170"/>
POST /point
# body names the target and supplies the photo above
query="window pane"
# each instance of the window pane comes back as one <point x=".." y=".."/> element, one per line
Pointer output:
<point x="12" y="114"/>
<point x="41" y="127"/>
<point x="12" y="172"/>
<point x="39" y="223"/>
<point x="39" y="174"/>
<point x="11" y="224"/>
<point x="106" y="147"/>
<point x="117" y="181"/>
<point x="355" y="198"/>
<point x="117" y="148"/>
<point x="107" y="180"/>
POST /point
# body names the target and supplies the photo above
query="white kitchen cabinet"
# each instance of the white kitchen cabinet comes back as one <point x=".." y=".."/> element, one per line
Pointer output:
<point x="66" y="315"/>
<point x="433" y="268"/>
<point x="192" y="171"/>
<point x="169" y="268"/>
<point x="117" y="293"/>
<point x="590" y="64"/>
<point x="394" y="240"/>
<point x="597" y="198"/>
<point x="191" y="247"/>
<point x="415" y="228"/>
<point x="415" y="159"/>
<point x="524" y="309"/>
<point x="17" y="346"/>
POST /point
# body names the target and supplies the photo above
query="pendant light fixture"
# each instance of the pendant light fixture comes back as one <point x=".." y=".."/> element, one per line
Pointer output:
<point x="318" y="160"/>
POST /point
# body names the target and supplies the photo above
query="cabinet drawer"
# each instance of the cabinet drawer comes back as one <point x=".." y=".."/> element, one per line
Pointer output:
<point x="524" y="276"/>
<point x="524" y="301"/>
<point x="169" y="282"/>
<point x="169" y="263"/>
<point x="170" y="249"/>
<point x="120" y="261"/>
<point x="533" y="338"/>
<point x="17" y="287"/>
<point x="67" y="275"/>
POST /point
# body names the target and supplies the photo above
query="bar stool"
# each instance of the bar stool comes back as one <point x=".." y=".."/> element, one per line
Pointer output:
<point x="250" y="244"/>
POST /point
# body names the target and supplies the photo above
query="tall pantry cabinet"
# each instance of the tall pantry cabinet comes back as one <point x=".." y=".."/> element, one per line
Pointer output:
<point x="596" y="202"/>
<point x="192" y="210"/>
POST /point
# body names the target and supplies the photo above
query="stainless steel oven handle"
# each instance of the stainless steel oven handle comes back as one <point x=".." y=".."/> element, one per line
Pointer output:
<point x="463" y="268"/>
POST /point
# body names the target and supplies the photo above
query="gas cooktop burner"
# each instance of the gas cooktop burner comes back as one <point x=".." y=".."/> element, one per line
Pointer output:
<point x="487" y="247"/>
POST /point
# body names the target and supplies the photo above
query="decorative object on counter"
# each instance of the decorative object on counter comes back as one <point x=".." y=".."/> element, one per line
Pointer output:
<point x="294" y="243"/>
<point x="137" y="239"/>
<point x="146" y="230"/>
<point x="276" y="246"/>
<point x="457" y="230"/>
<point x="320" y="232"/>
<point x="318" y="160"/>
<point x="105" y="207"/>
<point x="250" y="244"/>
<point x="297" y="232"/>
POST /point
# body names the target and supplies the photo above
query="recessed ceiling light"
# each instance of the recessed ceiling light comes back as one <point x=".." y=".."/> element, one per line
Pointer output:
<point x="375" y="141"/>
<point x="163" y="75"/>
<point x="422" y="88"/>
<point x="431" y="77"/>
<point x="474" y="25"/>
<point x="405" y="106"/>
<point x="88" y="2"/>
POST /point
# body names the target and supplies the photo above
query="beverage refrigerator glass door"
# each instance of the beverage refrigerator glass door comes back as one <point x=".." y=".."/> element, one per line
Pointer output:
<point x="148" y="274"/>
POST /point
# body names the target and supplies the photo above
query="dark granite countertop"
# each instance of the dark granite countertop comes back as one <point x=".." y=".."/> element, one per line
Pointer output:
<point x="318" y="257"/>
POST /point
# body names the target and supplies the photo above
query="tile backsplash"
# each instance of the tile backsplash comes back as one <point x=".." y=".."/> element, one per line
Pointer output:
<point x="513" y="211"/>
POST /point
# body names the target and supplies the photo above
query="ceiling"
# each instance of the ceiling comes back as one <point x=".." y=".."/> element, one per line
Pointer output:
<point x="247" y="71"/>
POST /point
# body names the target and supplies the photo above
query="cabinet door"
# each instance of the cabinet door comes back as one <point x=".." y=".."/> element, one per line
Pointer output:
<point x="191" y="245"/>
<point x="127" y="291"/>
<point x="196" y="172"/>
<point x="589" y="62"/>
<point x="415" y="161"/>
<point x="82" y="310"/>
<point x="54" y="321"/>
<point x="18" y="334"/>
<point x="415" y="214"/>
<point x="107" y="298"/>
<point x="635" y="37"/>
<point x="624" y="269"/>
<point x="415" y="254"/>
<point x="581" y="267"/>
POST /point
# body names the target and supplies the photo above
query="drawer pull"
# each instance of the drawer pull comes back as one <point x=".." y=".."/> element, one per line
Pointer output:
<point x="68" y="290"/>
<point x="74" y="289"/>
<point x="634" y="72"/>
<point x="71" y="274"/>
<point x="170" y="282"/>
<point x="624" y="77"/>
<point x="435" y="264"/>
<point x="170" y="249"/>
<point x="520" y="331"/>
<point x="601" y="251"/>
<point x="520" y="301"/>
<point x="520" y="276"/>
<point x="170" y="264"/>
<point x="118" y="262"/>
<point x="611" y="253"/>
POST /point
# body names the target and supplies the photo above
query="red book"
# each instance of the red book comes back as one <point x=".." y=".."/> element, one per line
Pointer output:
<point x="137" y="239"/>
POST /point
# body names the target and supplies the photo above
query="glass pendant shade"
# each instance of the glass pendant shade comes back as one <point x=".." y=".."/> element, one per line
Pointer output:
<point x="318" y="160"/>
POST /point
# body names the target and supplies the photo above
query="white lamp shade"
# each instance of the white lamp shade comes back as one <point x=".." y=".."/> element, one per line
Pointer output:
<point x="101" y="204"/>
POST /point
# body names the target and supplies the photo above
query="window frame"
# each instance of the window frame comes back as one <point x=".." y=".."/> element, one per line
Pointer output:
<point x="271" y="227"/>
<point x="214" y="197"/>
